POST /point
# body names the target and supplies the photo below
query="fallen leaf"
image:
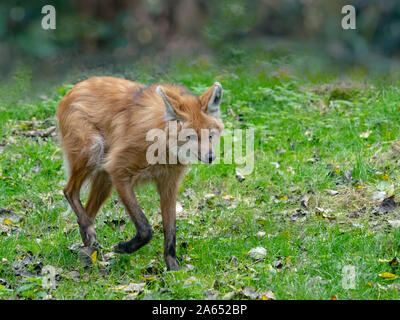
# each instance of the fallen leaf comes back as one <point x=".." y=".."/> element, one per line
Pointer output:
<point x="179" y="208"/>
<point x="93" y="257"/>
<point x="393" y="286"/>
<point x="51" y="131"/>
<point x="267" y="295"/>
<point x="394" y="223"/>
<point x="28" y="264"/>
<point x="278" y="264"/>
<point x="280" y="150"/>
<point x="109" y="255"/>
<point x="387" y="275"/>
<point x="75" y="246"/>
<point x="86" y="256"/>
<point x="317" y="279"/>
<point x="257" y="253"/>
<point x="190" y="281"/>
<point x="260" y="234"/>
<point x="227" y="197"/>
<point x="131" y="287"/>
<point x="379" y="195"/>
<point x="324" y="213"/>
<point x="147" y="277"/>
<point x="189" y="193"/>
<point x="3" y="282"/>
<point x="366" y="134"/>
<point x="188" y="267"/>
<point x="229" y="295"/>
<point x="290" y="169"/>
<point x="348" y="175"/>
<point x="233" y="260"/>
<point x="298" y="214"/>
<point x="131" y="296"/>
<point x="135" y="287"/>
<point x="332" y="192"/>
<point x="304" y="200"/>
<point x="249" y="292"/>
<point x="275" y="164"/>
<point x="8" y="216"/>
<point x="211" y="294"/>
<point x="73" y="275"/>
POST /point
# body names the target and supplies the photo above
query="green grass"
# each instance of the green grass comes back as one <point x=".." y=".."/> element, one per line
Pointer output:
<point x="296" y="122"/>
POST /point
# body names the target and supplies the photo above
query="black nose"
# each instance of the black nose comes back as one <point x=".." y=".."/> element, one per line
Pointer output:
<point x="211" y="157"/>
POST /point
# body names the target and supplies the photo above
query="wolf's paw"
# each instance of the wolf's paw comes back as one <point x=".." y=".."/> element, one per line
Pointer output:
<point x="89" y="236"/>
<point x="172" y="264"/>
<point x="136" y="243"/>
<point x="123" y="247"/>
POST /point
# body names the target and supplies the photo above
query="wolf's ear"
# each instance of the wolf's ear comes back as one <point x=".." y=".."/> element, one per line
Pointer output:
<point x="172" y="103"/>
<point x="211" y="99"/>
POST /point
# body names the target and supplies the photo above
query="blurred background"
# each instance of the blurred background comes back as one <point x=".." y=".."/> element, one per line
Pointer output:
<point x="98" y="33"/>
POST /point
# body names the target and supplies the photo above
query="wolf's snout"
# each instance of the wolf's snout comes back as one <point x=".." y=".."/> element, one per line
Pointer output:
<point x="211" y="157"/>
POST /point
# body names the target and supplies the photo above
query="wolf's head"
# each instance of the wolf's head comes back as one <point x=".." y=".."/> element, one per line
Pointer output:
<point x="197" y="120"/>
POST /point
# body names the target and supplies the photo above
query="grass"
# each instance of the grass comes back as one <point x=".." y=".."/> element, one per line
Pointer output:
<point x="309" y="137"/>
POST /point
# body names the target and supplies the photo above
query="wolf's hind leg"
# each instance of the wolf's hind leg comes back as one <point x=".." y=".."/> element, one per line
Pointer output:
<point x="72" y="193"/>
<point x="100" y="190"/>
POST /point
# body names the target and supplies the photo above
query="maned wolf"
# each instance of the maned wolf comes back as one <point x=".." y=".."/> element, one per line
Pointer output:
<point x="104" y="124"/>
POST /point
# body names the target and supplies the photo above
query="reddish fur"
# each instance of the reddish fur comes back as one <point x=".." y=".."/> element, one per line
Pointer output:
<point x="103" y="123"/>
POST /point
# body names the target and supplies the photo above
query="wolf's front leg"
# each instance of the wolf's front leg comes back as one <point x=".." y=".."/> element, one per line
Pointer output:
<point x="168" y="194"/>
<point x="144" y="232"/>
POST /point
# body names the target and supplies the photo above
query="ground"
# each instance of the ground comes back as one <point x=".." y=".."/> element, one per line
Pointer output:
<point x="318" y="200"/>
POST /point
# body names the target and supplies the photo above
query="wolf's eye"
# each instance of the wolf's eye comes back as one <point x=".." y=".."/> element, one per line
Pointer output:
<point x="192" y="137"/>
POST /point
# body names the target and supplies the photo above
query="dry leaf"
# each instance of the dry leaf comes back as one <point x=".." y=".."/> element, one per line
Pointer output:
<point x="366" y="134"/>
<point x="229" y="295"/>
<point x="387" y="275"/>
<point x="267" y="295"/>
<point x="276" y="164"/>
<point x="93" y="257"/>
<point x="87" y="255"/>
<point x="179" y="208"/>
<point x="190" y="281"/>
<point x="73" y="275"/>
<point x="260" y="234"/>
<point x="131" y="287"/>
<point x="258" y="253"/>
<point x="394" y="223"/>
<point x="379" y="195"/>
<point x="188" y="267"/>
<point x="211" y="294"/>
<point x="331" y="192"/>
<point x="249" y="292"/>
